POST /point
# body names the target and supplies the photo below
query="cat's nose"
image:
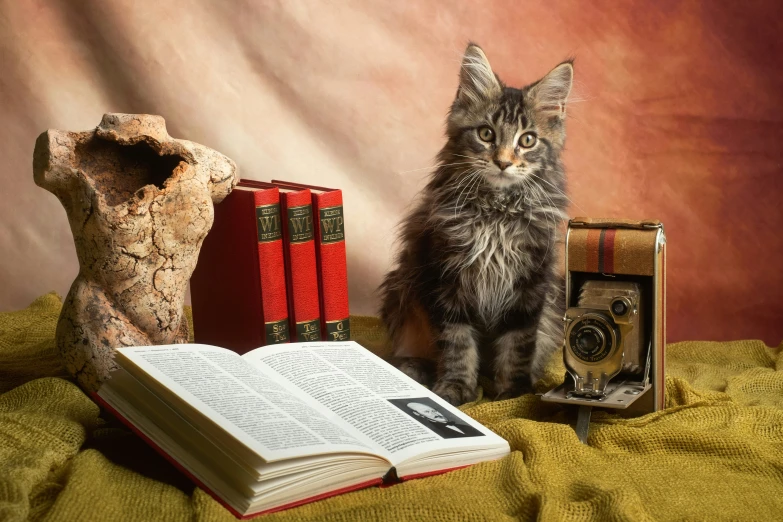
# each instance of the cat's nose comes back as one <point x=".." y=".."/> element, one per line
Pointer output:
<point x="502" y="164"/>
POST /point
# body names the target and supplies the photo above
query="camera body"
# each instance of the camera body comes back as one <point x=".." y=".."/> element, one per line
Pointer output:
<point x="614" y="322"/>
<point x="604" y="335"/>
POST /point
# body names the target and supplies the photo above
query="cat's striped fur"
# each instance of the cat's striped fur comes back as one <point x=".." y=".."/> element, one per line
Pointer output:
<point x="476" y="285"/>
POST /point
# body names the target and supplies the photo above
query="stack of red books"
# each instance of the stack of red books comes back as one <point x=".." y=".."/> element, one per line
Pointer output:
<point x="273" y="268"/>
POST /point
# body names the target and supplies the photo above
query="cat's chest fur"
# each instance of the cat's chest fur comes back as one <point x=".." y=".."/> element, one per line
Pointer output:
<point x="492" y="255"/>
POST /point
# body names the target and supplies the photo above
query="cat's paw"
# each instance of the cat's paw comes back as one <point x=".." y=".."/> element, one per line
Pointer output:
<point x="455" y="393"/>
<point x="514" y="392"/>
<point x="420" y="370"/>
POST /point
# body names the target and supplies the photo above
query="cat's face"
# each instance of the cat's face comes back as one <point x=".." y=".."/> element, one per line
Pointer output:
<point x="504" y="134"/>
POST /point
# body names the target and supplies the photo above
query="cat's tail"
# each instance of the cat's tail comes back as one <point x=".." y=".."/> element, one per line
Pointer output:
<point x="409" y="329"/>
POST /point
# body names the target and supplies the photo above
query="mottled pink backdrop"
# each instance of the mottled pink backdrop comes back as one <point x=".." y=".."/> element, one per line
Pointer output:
<point x="678" y="115"/>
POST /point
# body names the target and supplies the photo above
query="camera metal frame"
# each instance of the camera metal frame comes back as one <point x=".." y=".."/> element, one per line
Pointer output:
<point x="615" y="250"/>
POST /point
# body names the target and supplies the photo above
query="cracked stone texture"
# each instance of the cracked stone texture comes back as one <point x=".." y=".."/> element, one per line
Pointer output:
<point x="139" y="203"/>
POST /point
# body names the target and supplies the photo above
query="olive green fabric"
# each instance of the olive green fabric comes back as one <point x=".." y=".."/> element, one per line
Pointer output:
<point x="715" y="453"/>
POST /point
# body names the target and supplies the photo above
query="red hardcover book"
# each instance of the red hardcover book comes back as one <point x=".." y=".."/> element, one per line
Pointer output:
<point x="238" y="289"/>
<point x="330" y="259"/>
<point x="260" y="434"/>
<point x="301" y="276"/>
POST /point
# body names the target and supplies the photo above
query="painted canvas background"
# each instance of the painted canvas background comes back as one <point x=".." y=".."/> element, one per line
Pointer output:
<point x="678" y="116"/>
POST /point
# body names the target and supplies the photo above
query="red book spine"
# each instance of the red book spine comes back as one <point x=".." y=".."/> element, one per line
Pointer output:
<point x="332" y="265"/>
<point x="238" y="287"/>
<point x="271" y="265"/>
<point x="301" y="275"/>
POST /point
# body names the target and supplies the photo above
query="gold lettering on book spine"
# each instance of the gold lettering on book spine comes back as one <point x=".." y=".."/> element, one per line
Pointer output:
<point x="307" y="331"/>
<point x="268" y="223"/>
<point x="332" y="225"/>
<point x="338" y="330"/>
<point x="277" y="331"/>
<point x="300" y="224"/>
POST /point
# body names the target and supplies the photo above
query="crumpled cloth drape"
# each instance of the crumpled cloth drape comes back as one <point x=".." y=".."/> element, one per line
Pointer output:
<point x="714" y="453"/>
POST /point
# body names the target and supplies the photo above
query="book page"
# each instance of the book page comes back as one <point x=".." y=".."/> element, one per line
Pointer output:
<point x="254" y="408"/>
<point x="375" y="398"/>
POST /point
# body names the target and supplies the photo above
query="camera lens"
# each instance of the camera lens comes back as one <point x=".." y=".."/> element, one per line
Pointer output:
<point x="588" y="340"/>
<point x="591" y="338"/>
<point x="619" y="307"/>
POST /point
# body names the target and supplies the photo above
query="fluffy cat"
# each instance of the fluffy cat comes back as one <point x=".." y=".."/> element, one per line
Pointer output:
<point x="476" y="285"/>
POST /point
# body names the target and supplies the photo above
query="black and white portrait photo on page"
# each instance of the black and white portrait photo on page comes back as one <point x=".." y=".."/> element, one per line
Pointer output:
<point x="434" y="417"/>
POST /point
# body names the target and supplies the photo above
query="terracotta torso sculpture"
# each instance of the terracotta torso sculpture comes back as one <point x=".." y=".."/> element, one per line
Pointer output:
<point x="139" y="205"/>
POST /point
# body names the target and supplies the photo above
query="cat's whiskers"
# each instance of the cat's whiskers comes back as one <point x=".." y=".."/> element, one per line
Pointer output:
<point x="458" y="181"/>
<point x="476" y="181"/>
<point x="477" y="161"/>
<point x="468" y="183"/>
<point x="478" y="177"/>
<point x="435" y="167"/>
<point x="560" y="192"/>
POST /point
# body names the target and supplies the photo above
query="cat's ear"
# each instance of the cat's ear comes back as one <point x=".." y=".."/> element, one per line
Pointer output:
<point x="477" y="82"/>
<point x="550" y="94"/>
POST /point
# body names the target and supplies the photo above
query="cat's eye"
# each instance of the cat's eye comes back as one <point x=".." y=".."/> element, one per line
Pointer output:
<point x="527" y="140"/>
<point x="486" y="134"/>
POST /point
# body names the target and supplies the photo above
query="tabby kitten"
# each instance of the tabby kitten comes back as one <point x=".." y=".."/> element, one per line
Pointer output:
<point x="475" y="288"/>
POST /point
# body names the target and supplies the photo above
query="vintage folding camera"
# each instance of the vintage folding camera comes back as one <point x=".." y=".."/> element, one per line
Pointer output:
<point x="614" y="322"/>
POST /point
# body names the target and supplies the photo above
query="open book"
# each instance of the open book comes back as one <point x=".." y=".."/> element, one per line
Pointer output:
<point x="288" y="424"/>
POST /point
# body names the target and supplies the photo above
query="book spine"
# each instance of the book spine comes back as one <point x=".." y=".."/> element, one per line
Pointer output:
<point x="332" y="265"/>
<point x="300" y="266"/>
<point x="225" y="288"/>
<point x="238" y="288"/>
<point x="271" y="266"/>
